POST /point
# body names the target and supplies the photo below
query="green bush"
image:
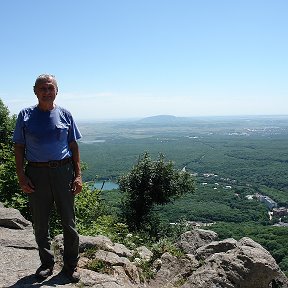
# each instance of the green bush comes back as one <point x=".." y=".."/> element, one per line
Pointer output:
<point x="10" y="192"/>
<point x="151" y="183"/>
<point x="100" y="266"/>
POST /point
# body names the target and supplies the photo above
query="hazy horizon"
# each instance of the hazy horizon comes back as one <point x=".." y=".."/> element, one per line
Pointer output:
<point x="273" y="116"/>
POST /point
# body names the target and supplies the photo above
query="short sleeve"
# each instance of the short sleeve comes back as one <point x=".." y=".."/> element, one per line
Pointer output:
<point x="18" y="135"/>
<point x="74" y="133"/>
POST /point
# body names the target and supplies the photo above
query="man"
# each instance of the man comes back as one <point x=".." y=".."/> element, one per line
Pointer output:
<point x="45" y="136"/>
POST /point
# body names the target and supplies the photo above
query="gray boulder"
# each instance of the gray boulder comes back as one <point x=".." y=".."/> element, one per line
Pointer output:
<point x="11" y="218"/>
<point x="108" y="258"/>
<point x="247" y="265"/>
<point x="96" y="242"/>
<point x="172" y="270"/>
<point x="190" y="241"/>
<point x="215" y="247"/>
<point x="18" y="249"/>
<point x="218" y="264"/>
<point x="144" y="253"/>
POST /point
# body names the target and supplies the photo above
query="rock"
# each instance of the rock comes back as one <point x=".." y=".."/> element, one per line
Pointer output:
<point x="19" y="254"/>
<point x="113" y="255"/>
<point x="128" y="273"/>
<point x="17" y="266"/>
<point x="21" y="239"/>
<point x="215" y="247"/>
<point x="207" y="262"/>
<point x="111" y="258"/>
<point x="97" y="280"/>
<point x="122" y="265"/>
<point x="121" y="250"/>
<point x="247" y="265"/>
<point x="156" y="265"/>
<point x="190" y="241"/>
<point x="144" y="253"/>
<point x="193" y="260"/>
<point x="96" y="242"/>
<point x="11" y="218"/>
<point x="15" y="230"/>
<point x="18" y="249"/>
<point x="87" y="242"/>
<point x="172" y="271"/>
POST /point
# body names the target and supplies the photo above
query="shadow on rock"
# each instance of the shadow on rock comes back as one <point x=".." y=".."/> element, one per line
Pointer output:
<point x="32" y="281"/>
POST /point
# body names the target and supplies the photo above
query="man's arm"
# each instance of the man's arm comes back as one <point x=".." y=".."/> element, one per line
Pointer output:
<point x="24" y="182"/>
<point x="77" y="183"/>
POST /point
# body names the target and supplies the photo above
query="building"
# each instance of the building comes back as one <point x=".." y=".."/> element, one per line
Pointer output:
<point x="267" y="201"/>
<point x="279" y="212"/>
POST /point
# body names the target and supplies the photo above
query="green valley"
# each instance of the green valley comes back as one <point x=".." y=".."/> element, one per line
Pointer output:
<point x="233" y="160"/>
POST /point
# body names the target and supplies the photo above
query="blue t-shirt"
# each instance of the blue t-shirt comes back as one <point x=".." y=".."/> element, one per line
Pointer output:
<point x="45" y="134"/>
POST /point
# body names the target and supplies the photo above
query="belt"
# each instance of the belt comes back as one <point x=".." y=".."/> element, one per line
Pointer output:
<point x="51" y="164"/>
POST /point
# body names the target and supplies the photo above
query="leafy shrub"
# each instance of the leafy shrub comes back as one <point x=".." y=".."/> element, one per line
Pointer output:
<point x="150" y="183"/>
<point x="10" y="192"/>
<point x="100" y="266"/>
<point x="165" y="245"/>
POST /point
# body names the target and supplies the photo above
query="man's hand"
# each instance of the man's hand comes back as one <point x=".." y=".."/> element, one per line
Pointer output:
<point x="77" y="185"/>
<point x="26" y="184"/>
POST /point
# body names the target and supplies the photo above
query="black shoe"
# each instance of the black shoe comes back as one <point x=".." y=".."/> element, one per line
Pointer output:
<point x="72" y="274"/>
<point x="44" y="272"/>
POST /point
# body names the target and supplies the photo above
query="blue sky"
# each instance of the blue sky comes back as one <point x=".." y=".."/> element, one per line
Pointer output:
<point x="133" y="58"/>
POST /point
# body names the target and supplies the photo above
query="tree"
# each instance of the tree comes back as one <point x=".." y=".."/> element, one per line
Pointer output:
<point x="10" y="193"/>
<point x="150" y="183"/>
<point x="7" y="124"/>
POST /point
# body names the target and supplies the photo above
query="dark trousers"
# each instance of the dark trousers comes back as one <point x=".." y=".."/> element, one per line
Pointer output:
<point x="53" y="185"/>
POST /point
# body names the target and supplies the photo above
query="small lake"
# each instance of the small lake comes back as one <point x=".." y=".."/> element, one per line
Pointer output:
<point x="108" y="185"/>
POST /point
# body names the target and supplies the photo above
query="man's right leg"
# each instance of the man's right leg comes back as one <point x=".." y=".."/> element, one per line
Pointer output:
<point x="41" y="202"/>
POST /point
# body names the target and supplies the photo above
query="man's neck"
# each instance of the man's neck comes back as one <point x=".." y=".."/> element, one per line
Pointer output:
<point x="46" y="107"/>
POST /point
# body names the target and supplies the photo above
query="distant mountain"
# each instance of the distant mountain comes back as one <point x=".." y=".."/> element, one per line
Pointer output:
<point x="160" y="119"/>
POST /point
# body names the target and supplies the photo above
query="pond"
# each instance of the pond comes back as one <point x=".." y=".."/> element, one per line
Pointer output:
<point x="108" y="185"/>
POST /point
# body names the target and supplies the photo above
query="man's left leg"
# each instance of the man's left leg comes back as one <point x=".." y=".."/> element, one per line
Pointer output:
<point x="62" y="178"/>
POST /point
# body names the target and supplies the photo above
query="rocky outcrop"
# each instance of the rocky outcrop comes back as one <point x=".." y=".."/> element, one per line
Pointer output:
<point x="19" y="258"/>
<point x="245" y="264"/>
<point x="18" y="250"/>
<point x="190" y="241"/>
<point x="205" y="262"/>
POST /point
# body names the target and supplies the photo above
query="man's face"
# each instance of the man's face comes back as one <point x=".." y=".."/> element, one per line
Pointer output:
<point x="46" y="92"/>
